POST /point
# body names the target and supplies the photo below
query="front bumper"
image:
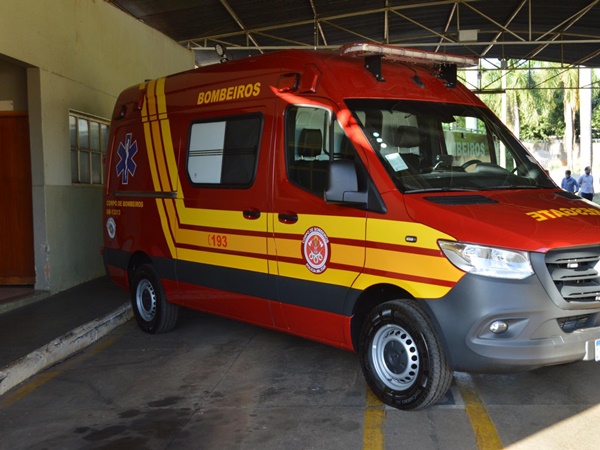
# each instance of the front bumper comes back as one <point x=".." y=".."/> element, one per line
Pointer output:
<point x="534" y="337"/>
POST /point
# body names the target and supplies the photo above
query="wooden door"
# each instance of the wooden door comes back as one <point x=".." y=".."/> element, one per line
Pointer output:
<point x="16" y="212"/>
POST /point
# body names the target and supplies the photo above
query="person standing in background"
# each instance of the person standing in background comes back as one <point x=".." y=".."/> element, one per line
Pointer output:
<point x="586" y="184"/>
<point x="568" y="183"/>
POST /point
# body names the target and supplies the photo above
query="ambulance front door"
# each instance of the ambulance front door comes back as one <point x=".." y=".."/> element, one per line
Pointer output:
<point x="319" y="247"/>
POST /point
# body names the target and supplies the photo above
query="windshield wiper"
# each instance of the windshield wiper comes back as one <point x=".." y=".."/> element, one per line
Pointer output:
<point x="512" y="186"/>
<point x="441" y="189"/>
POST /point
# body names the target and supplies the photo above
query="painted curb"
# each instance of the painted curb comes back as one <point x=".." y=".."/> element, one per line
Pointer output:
<point x="61" y="348"/>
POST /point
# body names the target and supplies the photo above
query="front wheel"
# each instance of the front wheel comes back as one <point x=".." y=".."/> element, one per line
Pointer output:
<point x="153" y="313"/>
<point x="401" y="356"/>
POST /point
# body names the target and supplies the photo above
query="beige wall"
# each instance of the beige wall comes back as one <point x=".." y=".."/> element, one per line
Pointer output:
<point x="13" y="84"/>
<point x="75" y="55"/>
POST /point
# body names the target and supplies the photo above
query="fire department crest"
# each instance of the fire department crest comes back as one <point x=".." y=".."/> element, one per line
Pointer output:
<point x="111" y="227"/>
<point x="316" y="250"/>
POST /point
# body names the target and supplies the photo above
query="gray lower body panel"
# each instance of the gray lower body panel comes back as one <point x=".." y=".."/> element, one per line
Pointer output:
<point x="534" y="337"/>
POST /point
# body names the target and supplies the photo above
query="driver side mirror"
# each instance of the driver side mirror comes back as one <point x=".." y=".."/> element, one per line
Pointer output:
<point x="342" y="185"/>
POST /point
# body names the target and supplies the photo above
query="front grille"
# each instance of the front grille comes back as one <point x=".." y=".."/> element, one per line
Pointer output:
<point x="576" y="274"/>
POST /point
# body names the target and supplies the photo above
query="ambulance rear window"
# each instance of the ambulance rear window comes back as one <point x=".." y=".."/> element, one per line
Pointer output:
<point x="224" y="151"/>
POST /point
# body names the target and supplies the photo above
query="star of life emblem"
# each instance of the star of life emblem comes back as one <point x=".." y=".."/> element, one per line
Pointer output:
<point x="126" y="165"/>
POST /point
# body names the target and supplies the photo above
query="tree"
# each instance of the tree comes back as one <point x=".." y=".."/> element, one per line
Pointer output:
<point x="523" y="107"/>
<point x="567" y="79"/>
<point x="536" y="95"/>
<point x="595" y="106"/>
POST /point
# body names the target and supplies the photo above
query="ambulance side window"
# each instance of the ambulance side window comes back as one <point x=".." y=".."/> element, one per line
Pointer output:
<point x="224" y="151"/>
<point x="314" y="138"/>
<point x="307" y="150"/>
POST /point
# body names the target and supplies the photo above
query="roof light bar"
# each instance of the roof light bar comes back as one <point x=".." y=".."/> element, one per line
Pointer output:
<point x="407" y="55"/>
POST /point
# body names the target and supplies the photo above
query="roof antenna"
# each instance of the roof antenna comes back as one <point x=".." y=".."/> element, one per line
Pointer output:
<point x="416" y="79"/>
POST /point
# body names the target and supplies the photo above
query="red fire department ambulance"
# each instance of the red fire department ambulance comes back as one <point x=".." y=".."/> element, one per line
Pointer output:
<point x="361" y="198"/>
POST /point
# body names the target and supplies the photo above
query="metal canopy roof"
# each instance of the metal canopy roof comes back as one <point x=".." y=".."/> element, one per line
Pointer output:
<point x="560" y="31"/>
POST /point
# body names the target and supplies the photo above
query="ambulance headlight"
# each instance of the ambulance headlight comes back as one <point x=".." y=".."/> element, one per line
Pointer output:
<point x="488" y="261"/>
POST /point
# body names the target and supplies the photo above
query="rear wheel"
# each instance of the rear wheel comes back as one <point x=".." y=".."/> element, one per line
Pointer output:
<point x="152" y="311"/>
<point x="401" y="356"/>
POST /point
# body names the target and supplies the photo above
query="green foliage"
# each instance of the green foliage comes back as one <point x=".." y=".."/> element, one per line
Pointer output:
<point x="535" y="91"/>
<point x="595" y="106"/>
<point x="596" y="123"/>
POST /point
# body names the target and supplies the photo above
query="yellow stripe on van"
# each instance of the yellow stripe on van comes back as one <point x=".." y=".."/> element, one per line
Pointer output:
<point x="272" y="250"/>
<point x="334" y="226"/>
<point x="151" y="161"/>
<point x="171" y="175"/>
<point x="164" y="221"/>
<point x="414" y="288"/>
<point x="147" y="108"/>
<point x="223" y="260"/>
<point x="151" y="97"/>
<point x="395" y="232"/>
<point x="214" y="218"/>
<point x="157" y="139"/>
<point x="160" y="158"/>
<point x="437" y="267"/>
<point x="351" y="255"/>
<point x="337" y="277"/>
<point x="172" y="216"/>
<point x="227" y="241"/>
<point x="170" y="155"/>
<point x="161" y="100"/>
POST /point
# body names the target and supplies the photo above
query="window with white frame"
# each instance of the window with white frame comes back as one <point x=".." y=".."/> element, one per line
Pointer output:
<point x="89" y="137"/>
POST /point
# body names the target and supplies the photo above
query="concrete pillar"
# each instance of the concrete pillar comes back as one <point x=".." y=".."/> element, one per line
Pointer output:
<point x="472" y="83"/>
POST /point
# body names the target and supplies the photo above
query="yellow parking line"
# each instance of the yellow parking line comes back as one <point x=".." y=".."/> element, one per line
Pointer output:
<point x="19" y="393"/>
<point x="27" y="388"/>
<point x="486" y="435"/>
<point x="373" y="438"/>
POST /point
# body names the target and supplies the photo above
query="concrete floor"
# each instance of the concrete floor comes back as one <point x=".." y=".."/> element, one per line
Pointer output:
<point x="215" y="383"/>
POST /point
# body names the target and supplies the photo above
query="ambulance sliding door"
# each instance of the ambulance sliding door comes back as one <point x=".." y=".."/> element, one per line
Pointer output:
<point x="221" y="240"/>
<point x="319" y="247"/>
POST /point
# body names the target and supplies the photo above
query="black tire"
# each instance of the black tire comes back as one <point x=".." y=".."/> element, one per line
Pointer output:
<point x="153" y="313"/>
<point x="401" y="356"/>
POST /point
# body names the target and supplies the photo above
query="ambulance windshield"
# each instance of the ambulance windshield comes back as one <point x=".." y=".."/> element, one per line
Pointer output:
<point x="438" y="147"/>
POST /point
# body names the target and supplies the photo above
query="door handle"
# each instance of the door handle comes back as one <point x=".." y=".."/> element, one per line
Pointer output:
<point x="288" y="217"/>
<point x="251" y="214"/>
